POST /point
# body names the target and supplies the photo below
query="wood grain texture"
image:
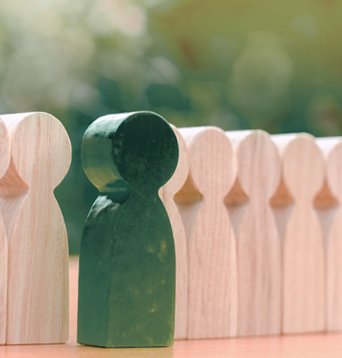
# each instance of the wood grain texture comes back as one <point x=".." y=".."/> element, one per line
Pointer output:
<point x="167" y="194"/>
<point x="258" y="242"/>
<point x="127" y="257"/>
<point x="211" y="242"/>
<point x="332" y="150"/>
<point x="308" y="346"/>
<point x="4" y="164"/>
<point x="37" y="305"/>
<point x="303" y="253"/>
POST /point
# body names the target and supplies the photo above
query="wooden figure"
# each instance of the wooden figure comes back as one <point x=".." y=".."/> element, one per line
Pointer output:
<point x="258" y="243"/>
<point x="212" y="310"/>
<point x="127" y="258"/>
<point x="303" y="251"/>
<point x="332" y="149"/>
<point x="167" y="194"/>
<point x="4" y="164"/>
<point x="37" y="298"/>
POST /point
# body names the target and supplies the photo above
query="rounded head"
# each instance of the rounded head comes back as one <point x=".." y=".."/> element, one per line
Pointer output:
<point x="40" y="149"/>
<point x="334" y="170"/>
<point x="181" y="173"/>
<point x="303" y="166"/>
<point x="139" y="149"/>
<point x="212" y="162"/>
<point x="4" y="149"/>
<point x="259" y="164"/>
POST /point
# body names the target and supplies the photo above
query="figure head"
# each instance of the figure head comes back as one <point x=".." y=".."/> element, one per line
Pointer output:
<point x="259" y="167"/>
<point x="4" y="149"/>
<point x="303" y="166"/>
<point x="212" y="161"/>
<point x="40" y="148"/>
<point x="130" y="151"/>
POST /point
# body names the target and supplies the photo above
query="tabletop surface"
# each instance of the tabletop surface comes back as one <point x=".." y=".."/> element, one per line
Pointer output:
<point x="304" y="346"/>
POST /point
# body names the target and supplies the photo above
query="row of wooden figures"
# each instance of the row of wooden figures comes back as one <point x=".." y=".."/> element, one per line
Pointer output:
<point x="248" y="244"/>
<point x="257" y="225"/>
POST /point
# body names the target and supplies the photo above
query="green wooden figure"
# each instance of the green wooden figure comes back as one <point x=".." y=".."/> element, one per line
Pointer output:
<point x="127" y="257"/>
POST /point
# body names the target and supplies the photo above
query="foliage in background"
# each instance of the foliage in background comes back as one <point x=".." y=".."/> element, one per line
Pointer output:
<point x="269" y="64"/>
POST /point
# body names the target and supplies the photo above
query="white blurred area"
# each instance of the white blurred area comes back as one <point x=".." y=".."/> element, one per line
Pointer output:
<point x="49" y="49"/>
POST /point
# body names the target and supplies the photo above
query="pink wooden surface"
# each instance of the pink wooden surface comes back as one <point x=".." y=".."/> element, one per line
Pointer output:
<point x="311" y="346"/>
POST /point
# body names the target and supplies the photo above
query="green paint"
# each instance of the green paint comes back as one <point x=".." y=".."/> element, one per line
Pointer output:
<point x="127" y="258"/>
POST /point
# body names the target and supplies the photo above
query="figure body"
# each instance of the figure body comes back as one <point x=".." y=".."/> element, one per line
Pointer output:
<point x="168" y="195"/>
<point x="258" y="242"/>
<point x="303" y="246"/>
<point x="127" y="258"/>
<point x="333" y="150"/>
<point x="37" y="307"/>
<point x="4" y="164"/>
<point x="212" y="311"/>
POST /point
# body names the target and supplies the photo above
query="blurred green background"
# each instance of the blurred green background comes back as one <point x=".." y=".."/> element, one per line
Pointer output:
<point x="270" y="64"/>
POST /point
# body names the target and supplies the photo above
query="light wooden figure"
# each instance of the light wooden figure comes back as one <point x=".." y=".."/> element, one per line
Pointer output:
<point x="258" y="242"/>
<point x="37" y="298"/>
<point x="332" y="150"/>
<point x="167" y="194"/>
<point x="4" y="163"/>
<point x="303" y="249"/>
<point x="211" y="242"/>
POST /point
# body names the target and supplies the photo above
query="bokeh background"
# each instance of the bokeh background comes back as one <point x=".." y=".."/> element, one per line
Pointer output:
<point x="270" y="64"/>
